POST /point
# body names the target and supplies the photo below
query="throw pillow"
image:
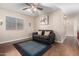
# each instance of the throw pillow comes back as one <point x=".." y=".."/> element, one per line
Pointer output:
<point x="39" y="32"/>
<point x="47" y="33"/>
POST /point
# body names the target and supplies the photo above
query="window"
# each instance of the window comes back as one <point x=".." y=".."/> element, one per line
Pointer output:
<point x="14" y="23"/>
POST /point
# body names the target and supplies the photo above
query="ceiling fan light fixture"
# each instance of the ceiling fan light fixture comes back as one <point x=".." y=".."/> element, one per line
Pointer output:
<point x="29" y="10"/>
<point x="35" y="9"/>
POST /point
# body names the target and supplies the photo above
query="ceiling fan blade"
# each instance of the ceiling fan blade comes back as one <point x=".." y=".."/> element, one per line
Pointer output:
<point x="28" y="4"/>
<point x="39" y="8"/>
<point x="24" y="8"/>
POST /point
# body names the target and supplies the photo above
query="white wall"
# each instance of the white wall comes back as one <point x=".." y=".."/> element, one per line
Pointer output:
<point x="56" y="23"/>
<point x="61" y="25"/>
<point x="71" y="26"/>
<point x="78" y="23"/>
<point x="12" y="35"/>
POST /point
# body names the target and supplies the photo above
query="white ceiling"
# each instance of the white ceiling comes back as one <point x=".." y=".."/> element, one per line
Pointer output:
<point x="17" y="7"/>
<point x="71" y="9"/>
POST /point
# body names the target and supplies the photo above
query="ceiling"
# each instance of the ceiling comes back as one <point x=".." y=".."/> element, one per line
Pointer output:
<point x="17" y="7"/>
<point x="70" y="9"/>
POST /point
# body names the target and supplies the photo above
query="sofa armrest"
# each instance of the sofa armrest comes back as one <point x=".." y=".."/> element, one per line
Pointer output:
<point x="52" y="37"/>
<point x="35" y="33"/>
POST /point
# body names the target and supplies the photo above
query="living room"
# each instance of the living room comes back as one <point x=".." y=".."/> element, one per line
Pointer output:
<point x="18" y="22"/>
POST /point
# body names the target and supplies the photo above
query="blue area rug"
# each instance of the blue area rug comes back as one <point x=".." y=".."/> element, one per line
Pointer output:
<point x="31" y="48"/>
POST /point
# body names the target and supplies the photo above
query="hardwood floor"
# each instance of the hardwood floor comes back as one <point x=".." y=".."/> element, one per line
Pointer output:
<point x="62" y="50"/>
<point x="68" y="48"/>
<point x="8" y="50"/>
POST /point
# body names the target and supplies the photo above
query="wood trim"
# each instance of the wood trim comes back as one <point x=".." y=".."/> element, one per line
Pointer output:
<point x="14" y="40"/>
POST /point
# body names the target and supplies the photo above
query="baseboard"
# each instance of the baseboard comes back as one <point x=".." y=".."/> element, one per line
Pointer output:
<point x="69" y="35"/>
<point x="58" y="41"/>
<point x="14" y="40"/>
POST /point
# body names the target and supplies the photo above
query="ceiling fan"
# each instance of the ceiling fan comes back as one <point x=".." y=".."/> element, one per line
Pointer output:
<point x="33" y="7"/>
